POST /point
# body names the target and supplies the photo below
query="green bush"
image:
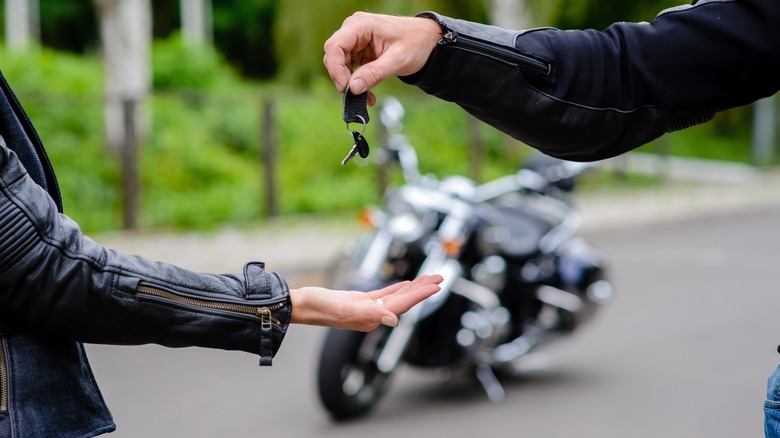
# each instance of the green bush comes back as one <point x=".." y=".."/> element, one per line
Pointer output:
<point x="177" y="64"/>
<point x="62" y="95"/>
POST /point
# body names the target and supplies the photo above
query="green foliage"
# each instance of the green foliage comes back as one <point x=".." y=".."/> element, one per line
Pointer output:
<point x="200" y="164"/>
<point x="192" y="175"/>
<point x="68" y="25"/>
<point x="243" y="31"/>
<point x="598" y="14"/>
<point x="265" y="38"/>
<point x="177" y="64"/>
<point x="62" y="95"/>
<point x="726" y="138"/>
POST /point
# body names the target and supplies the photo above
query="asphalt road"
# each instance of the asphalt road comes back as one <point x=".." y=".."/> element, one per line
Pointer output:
<point x="683" y="351"/>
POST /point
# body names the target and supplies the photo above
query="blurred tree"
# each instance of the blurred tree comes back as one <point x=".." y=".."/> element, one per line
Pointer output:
<point x="242" y="31"/>
<point x="126" y="33"/>
<point x="196" y="21"/>
<point x="509" y="14"/>
<point x="21" y="23"/>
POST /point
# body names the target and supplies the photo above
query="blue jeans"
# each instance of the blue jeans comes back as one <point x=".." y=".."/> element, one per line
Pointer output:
<point x="772" y="406"/>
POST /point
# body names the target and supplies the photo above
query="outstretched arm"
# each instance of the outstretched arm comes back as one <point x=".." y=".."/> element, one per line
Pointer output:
<point x="583" y="95"/>
<point x="56" y="280"/>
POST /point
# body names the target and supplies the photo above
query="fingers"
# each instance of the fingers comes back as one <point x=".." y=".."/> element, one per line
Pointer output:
<point x="371" y="74"/>
<point x="337" y="63"/>
<point x="343" y="50"/>
<point x="379" y="46"/>
<point x="401" y="297"/>
<point x="358" y="43"/>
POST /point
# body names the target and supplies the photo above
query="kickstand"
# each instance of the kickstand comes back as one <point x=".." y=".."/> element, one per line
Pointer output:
<point x="490" y="383"/>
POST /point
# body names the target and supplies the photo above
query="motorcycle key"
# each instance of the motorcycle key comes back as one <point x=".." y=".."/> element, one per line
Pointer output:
<point x="355" y="110"/>
<point x="359" y="148"/>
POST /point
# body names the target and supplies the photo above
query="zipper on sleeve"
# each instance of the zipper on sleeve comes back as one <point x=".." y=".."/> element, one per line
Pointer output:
<point x="504" y="54"/>
<point x="261" y="312"/>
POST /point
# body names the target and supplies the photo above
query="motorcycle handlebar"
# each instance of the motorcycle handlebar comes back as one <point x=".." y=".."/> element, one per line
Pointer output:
<point x="399" y="149"/>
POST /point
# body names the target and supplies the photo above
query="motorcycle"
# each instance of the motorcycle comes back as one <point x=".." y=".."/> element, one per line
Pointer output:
<point x="516" y="275"/>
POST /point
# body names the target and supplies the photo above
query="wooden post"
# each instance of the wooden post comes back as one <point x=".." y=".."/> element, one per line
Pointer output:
<point x="476" y="146"/>
<point x="268" y="157"/>
<point x="130" y="180"/>
<point x="384" y="162"/>
<point x="22" y="27"/>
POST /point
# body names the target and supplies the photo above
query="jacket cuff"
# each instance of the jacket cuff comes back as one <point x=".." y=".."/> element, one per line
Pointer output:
<point x="274" y="317"/>
<point x="419" y="78"/>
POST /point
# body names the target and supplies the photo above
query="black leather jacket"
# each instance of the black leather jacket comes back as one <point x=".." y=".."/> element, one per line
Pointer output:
<point x="588" y="95"/>
<point x="59" y="288"/>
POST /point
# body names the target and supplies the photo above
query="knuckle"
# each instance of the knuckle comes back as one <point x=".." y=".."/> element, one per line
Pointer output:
<point x="373" y="72"/>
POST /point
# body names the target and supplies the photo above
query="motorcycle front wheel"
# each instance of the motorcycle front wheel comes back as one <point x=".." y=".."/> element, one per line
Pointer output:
<point x="349" y="382"/>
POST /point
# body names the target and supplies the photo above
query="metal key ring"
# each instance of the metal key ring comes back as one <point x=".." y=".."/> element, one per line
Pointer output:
<point x="364" y="124"/>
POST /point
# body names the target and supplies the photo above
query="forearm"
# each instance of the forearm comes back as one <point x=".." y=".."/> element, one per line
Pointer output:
<point x="55" y="280"/>
<point x="608" y="92"/>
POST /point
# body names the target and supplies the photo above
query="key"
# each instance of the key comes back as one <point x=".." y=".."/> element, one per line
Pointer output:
<point x="352" y="153"/>
<point x="359" y="148"/>
<point x="361" y="144"/>
<point x="355" y="110"/>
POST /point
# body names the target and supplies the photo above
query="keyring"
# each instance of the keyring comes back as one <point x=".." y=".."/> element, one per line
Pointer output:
<point x="364" y="125"/>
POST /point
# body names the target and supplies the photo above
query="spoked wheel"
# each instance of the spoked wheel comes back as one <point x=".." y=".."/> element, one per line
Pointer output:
<point x="349" y="382"/>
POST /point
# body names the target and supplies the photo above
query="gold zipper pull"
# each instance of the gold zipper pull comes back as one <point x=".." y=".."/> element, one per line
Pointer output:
<point x="266" y="340"/>
<point x="265" y="317"/>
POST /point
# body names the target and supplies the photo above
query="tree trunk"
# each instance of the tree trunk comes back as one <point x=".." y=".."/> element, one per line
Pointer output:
<point x="21" y="23"/>
<point x="126" y="32"/>
<point x="196" y="22"/>
<point x="764" y="131"/>
<point x="509" y="14"/>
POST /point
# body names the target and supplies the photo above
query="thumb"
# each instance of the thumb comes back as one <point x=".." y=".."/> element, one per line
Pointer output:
<point x="389" y="319"/>
<point x="369" y="75"/>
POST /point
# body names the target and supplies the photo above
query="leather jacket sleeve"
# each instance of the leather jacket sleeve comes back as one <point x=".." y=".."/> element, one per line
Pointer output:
<point x="588" y="95"/>
<point x="57" y="281"/>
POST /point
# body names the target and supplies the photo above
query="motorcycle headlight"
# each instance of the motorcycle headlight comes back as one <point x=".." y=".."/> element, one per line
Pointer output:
<point x="406" y="227"/>
<point x="405" y="223"/>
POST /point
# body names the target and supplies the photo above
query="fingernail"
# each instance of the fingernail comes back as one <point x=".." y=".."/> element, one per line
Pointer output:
<point x="357" y="86"/>
<point x="386" y="320"/>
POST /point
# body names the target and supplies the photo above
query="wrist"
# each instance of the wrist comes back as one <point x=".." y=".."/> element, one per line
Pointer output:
<point x="297" y="303"/>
